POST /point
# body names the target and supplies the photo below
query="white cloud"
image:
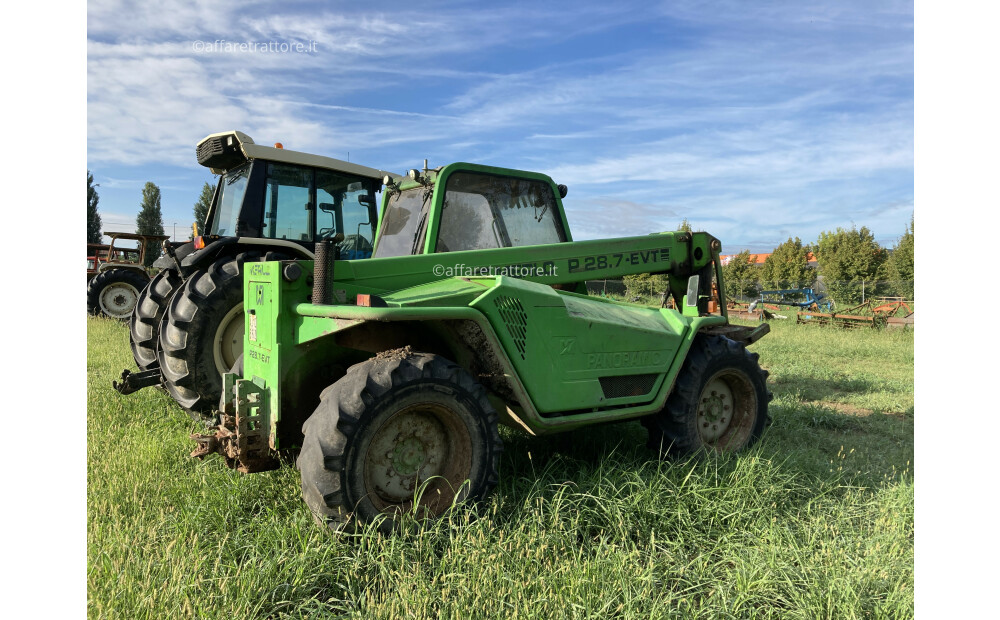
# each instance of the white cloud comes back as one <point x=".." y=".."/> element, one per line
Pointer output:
<point x="749" y="117"/>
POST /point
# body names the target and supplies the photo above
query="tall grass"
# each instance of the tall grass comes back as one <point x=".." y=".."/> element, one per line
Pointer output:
<point x="815" y="521"/>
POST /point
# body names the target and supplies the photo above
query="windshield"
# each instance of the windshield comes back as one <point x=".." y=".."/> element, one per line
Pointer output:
<point x="399" y="230"/>
<point x="483" y="211"/>
<point x="227" y="209"/>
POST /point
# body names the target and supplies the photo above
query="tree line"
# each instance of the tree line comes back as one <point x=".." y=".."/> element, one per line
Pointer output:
<point x="149" y="220"/>
<point x="850" y="264"/>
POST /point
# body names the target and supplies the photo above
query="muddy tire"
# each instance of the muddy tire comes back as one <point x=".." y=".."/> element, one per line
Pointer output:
<point x="144" y="325"/>
<point x="719" y="403"/>
<point x="202" y="333"/>
<point x="113" y="293"/>
<point x="392" y="427"/>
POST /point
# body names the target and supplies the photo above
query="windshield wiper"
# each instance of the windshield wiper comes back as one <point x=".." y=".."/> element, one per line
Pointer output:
<point x="421" y="225"/>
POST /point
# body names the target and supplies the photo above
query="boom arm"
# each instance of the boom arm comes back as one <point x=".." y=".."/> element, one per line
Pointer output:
<point x="679" y="254"/>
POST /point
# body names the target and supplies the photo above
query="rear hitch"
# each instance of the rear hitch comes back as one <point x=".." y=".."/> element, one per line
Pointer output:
<point x="135" y="381"/>
<point x="241" y="437"/>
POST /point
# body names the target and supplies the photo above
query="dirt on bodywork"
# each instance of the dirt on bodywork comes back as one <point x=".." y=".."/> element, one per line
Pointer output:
<point x="394" y="354"/>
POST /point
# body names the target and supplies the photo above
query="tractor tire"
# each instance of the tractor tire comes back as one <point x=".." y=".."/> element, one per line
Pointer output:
<point x="201" y="334"/>
<point x="144" y="326"/>
<point x="719" y="403"/>
<point x="393" y="428"/>
<point x="113" y="293"/>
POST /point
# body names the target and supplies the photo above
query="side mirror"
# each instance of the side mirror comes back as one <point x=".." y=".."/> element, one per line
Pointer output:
<point x="691" y="298"/>
<point x="366" y="200"/>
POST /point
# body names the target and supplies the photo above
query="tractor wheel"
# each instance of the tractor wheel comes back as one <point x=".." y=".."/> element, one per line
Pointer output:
<point x="719" y="402"/>
<point x="202" y="333"/>
<point x="392" y="429"/>
<point x="144" y="326"/>
<point x="113" y="293"/>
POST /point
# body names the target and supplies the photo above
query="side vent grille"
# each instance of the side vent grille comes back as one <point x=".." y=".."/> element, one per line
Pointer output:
<point x="628" y="385"/>
<point x="512" y="313"/>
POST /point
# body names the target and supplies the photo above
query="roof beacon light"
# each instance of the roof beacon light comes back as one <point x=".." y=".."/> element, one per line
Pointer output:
<point x="278" y="145"/>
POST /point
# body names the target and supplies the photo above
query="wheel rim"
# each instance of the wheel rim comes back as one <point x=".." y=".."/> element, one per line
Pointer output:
<point x="118" y="300"/>
<point x="727" y="409"/>
<point x="228" y="342"/>
<point x="424" y="446"/>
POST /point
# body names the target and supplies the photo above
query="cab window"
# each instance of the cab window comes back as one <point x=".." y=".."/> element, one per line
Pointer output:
<point x="488" y="211"/>
<point x="345" y="206"/>
<point x="287" y="209"/>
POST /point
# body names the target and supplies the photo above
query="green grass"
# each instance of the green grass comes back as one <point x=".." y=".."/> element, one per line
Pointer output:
<point x="815" y="521"/>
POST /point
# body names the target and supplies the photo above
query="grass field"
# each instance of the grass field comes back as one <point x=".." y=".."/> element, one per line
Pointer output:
<point x="816" y="521"/>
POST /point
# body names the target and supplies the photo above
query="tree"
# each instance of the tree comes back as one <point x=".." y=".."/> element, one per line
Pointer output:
<point x="898" y="268"/>
<point x="648" y="284"/>
<point x="788" y="266"/>
<point x="849" y="261"/>
<point x="201" y="208"/>
<point x="740" y="275"/>
<point x="93" y="217"/>
<point x="645" y="284"/>
<point x="150" y="219"/>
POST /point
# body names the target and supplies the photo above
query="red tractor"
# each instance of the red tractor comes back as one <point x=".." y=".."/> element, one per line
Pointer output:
<point x="116" y="276"/>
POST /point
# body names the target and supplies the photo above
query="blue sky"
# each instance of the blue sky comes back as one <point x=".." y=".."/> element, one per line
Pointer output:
<point x="756" y="121"/>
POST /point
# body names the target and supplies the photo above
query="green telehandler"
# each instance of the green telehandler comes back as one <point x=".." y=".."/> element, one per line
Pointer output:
<point x="389" y="376"/>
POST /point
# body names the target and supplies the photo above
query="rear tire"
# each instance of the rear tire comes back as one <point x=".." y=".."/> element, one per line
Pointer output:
<point x="144" y="326"/>
<point x="202" y="333"/>
<point x="719" y="402"/>
<point x="113" y="293"/>
<point x="394" y="427"/>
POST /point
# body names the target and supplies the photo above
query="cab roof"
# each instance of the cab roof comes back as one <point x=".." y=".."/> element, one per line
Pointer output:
<point x="228" y="149"/>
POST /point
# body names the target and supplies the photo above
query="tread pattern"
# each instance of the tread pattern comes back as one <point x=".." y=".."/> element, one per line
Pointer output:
<point x="335" y="423"/>
<point x="144" y="326"/>
<point x="669" y="429"/>
<point x="193" y="315"/>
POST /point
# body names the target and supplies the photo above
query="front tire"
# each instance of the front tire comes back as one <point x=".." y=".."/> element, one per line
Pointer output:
<point x="394" y="428"/>
<point x="113" y="293"/>
<point x="719" y="403"/>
